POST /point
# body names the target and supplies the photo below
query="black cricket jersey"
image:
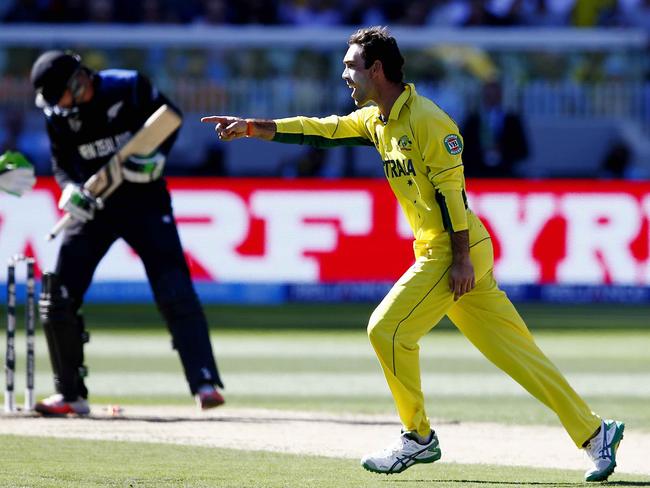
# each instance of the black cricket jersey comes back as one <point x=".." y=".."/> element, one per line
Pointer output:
<point x="84" y="140"/>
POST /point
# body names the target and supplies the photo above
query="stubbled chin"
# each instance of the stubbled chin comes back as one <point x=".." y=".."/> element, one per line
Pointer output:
<point x="357" y="102"/>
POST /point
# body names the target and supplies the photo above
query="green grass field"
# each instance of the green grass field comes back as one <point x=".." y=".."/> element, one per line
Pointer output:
<point x="46" y="463"/>
<point x="354" y="316"/>
<point x="268" y="359"/>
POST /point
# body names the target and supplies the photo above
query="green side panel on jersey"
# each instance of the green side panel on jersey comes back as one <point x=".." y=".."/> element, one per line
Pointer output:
<point x="320" y="141"/>
<point x="444" y="211"/>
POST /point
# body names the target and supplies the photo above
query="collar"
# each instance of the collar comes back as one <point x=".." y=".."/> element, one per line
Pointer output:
<point x="409" y="90"/>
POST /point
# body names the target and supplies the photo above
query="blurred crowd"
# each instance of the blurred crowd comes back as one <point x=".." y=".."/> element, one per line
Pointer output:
<point x="448" y="13"/>
<point x="610" y="85"/>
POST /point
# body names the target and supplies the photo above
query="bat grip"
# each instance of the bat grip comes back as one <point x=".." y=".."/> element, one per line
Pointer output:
<point x="60" y="225"/>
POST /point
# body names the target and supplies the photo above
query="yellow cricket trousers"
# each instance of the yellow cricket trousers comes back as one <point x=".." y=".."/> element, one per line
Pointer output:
<point x="417" y="302"/>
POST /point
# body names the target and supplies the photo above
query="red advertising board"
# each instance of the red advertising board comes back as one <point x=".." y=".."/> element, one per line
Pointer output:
<point x="325" y="231"/>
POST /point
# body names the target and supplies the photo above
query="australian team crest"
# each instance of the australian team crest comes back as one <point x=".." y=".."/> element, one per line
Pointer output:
<point x="453" y="144"/>
<point x="404" y="143"/>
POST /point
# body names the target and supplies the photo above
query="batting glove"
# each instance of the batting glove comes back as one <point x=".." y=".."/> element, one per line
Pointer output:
<point x="144" y="169"/>
<point x="16" y="173"/>
<point x="78" y="203"/>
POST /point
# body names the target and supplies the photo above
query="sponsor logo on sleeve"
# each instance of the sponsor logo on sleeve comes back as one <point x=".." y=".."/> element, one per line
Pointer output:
<point x="453" y="144"/>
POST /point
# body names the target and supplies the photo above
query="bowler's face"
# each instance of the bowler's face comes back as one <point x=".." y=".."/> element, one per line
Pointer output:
<point x="357" y="76"/>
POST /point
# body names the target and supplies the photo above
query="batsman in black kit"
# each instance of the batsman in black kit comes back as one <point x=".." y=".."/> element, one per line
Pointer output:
<point x="89" y="116"/>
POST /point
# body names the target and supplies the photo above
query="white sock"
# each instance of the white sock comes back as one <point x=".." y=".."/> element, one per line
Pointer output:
<point x="423" y="440"/>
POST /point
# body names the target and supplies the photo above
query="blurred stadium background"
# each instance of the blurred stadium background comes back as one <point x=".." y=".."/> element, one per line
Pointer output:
<point x="552" y="96"/>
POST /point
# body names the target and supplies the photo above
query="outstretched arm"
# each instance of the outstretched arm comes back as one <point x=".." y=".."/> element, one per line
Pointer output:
<point x="347" y="130"/>
<point x="231" y="128"/>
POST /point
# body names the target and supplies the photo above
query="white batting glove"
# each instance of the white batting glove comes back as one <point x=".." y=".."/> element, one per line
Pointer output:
<point x="144" y="169"/>
<point x="16" y="173"/>
<point x="78" y="203"/>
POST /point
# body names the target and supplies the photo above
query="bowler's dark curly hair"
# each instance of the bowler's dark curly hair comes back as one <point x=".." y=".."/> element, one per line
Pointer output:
<point x="378" y="44"/>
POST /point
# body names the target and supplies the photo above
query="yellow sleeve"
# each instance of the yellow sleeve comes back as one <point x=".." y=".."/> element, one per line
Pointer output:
<point x="348" y="130"/>
<point x="442" y="148"/>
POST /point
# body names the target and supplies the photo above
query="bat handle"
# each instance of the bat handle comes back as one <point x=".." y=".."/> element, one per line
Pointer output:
<point x="60" y="225"/>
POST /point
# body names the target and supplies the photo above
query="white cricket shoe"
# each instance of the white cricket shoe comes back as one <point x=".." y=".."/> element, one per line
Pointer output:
<point x="405" y="452"/>
<point x="602" y="450"/>
<point x="55" y="405"/>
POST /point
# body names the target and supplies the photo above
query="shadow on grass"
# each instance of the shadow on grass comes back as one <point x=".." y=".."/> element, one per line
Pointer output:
<point x="521" y="483"/>
<point x="239" y="419"/>
<point x="251" y="420"/>
<point x="257" y="420"/>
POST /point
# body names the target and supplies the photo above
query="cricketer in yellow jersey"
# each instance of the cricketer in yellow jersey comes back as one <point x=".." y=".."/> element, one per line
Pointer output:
<point x="421" y="149"/>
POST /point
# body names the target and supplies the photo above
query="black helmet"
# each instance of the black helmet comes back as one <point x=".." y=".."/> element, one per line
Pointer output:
<point x="51" y="73"/>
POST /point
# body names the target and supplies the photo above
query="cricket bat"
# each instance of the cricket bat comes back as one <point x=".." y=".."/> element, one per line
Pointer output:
<point x="158" y="127"/>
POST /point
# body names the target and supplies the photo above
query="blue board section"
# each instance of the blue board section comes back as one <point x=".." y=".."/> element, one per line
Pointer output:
<point x="269" y="294"/>
<point x="338" y="292"/>
<point x="209" y="292"/>
<point x="374" y="292"/>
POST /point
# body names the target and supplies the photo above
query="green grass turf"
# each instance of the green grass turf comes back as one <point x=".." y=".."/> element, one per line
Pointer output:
<point x="275" y="343"/>
<point x="354" y="316"/>
<point x="270" y="345"/>
<point x="503" y="409"/>
<point x="44" y="462"/>
<point x="270" y="369"/>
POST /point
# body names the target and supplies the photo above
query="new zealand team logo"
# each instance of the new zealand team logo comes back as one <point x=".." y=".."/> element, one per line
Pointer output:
<point x="404" y="143"/>
<point x="453" y="144"/>
<point x="112" y="112"/>
<point x="74" y="122"/>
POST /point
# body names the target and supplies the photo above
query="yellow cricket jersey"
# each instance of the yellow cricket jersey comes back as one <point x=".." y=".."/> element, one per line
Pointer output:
<point x="421" y="149"/>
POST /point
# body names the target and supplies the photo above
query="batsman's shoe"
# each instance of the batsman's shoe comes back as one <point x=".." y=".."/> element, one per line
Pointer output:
<point x="209" y="397"/>
<point x="55" y="405"/>
<point x="602" y="450"/>
<point x="405" y="452"/>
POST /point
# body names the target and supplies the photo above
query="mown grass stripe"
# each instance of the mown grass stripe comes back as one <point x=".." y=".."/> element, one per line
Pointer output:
<point x="351" y="384"/>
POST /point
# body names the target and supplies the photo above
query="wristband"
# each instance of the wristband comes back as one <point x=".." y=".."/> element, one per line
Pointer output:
<point x="249" y="128"/>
